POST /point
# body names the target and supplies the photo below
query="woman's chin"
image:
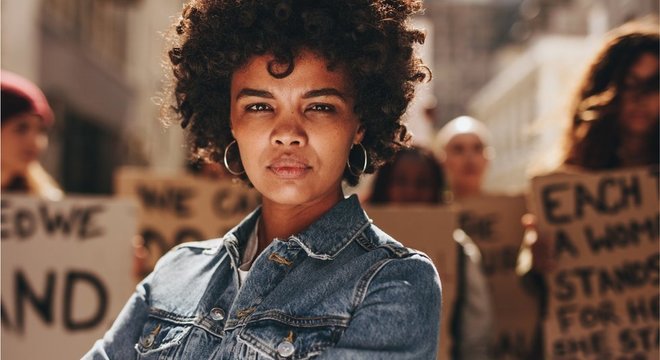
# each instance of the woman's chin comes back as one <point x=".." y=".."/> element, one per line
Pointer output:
<point x="289" y="195"/>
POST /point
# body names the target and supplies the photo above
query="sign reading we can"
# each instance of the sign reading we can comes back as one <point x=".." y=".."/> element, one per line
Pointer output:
<point x="66" y="273"/>
<point x="603" y="295"/>
<point x="176" y="208"/>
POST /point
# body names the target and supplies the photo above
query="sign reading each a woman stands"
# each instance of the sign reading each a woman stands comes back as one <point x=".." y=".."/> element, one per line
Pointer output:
<point x="603" y="294"/>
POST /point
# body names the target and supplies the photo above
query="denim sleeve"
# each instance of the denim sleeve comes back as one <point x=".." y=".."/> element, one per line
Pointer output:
<point x="399" y="315"/>
<point x="119" y="341"/>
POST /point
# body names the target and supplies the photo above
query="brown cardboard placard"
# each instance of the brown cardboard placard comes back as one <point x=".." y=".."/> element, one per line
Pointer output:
<point x="493" y="223"/>
<point x="430" y="230"/>
<point x="66" y="273"/>
<point x="176" y="208"/>
<point x="603" y="295"/>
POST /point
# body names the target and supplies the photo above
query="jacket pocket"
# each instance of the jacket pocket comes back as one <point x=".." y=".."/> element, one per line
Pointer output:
<point x="271" y="339"/>
<point x="160" y="338"/>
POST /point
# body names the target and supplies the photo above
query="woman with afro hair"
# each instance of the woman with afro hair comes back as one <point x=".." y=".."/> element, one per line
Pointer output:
<point x="293" y="97"/>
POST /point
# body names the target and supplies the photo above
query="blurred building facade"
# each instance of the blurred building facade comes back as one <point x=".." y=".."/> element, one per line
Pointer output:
<point x="526" y="103"/>
<point x="419" y="115"/>
<point x="99" y="63"/>
<point x="466" y="35"/>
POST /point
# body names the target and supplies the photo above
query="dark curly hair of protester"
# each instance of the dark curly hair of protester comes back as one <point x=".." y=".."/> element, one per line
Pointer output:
<point x="594" y="135"/>
<point x="368" y="39"/>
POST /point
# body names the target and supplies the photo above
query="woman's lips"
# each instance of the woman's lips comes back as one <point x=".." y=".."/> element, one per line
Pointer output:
<point x="30" y="156"/>
<point x="289" y="168"/>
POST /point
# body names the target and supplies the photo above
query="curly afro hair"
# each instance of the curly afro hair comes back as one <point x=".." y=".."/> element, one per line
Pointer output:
<point x="370" y="39"/>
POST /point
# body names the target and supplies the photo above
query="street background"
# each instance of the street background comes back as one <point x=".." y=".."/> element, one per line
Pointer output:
<point x="510" y="63"/>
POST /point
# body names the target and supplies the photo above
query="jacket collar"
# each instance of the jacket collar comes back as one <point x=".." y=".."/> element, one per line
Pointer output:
<point x="325" y="238"/>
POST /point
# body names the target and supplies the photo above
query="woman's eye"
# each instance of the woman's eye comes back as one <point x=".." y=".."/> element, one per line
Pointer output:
<point x="322" y="108"/>
<point x="22" y="128"/>
<point x="258" y="107"/>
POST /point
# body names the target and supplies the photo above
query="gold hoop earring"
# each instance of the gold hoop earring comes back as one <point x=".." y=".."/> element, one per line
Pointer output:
<point x="364" y="166"/>
<point x="235" y="173"/>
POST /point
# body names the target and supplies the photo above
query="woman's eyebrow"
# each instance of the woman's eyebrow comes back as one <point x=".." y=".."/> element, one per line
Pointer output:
<point x="254" y="92"/>
<point x="324" y="92"/>
<point x="310" y="94"/>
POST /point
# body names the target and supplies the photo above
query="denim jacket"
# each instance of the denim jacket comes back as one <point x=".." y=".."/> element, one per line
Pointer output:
<point x="342" y="289"/>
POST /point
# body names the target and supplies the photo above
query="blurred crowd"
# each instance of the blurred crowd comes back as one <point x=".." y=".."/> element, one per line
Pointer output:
<point x="613" y="125"/>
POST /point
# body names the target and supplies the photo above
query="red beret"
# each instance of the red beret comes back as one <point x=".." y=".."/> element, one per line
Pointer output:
<point x="20" y="95"/>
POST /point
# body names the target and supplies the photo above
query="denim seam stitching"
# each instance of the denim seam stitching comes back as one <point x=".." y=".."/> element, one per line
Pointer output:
<point x="365" y="281"/>
<point x="167" y="316"/>
<point x="334" y="251"/>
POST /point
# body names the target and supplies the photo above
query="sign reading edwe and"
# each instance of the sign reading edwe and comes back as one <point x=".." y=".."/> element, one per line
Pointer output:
<point x="66" y="273"/>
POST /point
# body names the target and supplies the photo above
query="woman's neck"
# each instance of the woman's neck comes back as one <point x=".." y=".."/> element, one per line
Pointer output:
<point x="6" y="177"/>
<point x="281" y="221"/>
<point x="634" y="150"/>
<point x="461" y="193"/>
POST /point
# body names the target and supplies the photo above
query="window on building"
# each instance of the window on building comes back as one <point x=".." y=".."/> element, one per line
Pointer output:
<point x="88" y="155"/>
<point x="98" y="26"/>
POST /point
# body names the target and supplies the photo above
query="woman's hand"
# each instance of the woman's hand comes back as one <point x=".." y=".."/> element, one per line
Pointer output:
<point x="536" y="251"/>
<point x="141" y="266"/>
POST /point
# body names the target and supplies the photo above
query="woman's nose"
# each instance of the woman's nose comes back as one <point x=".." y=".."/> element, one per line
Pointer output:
<point x="289" y="131"/>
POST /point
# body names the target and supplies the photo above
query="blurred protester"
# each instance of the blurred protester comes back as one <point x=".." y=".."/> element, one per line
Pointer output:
<point x="614" y="124"/>
<point x="26" y="117"/>
<point x="462" y="148"/>
<point x="615" y="115"/>
<point x="415" y="177"/>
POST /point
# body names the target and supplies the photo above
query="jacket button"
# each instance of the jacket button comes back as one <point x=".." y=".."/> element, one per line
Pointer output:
<point x="217" y="314"/>
<point x="285" y="349"/>
<point x="148" y="340"/>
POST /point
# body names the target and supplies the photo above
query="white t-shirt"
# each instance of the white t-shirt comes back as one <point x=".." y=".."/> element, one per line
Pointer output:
<point x="249" y="254"/>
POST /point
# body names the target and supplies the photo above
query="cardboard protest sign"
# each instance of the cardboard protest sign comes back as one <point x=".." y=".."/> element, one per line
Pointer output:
<point x="176" y="208"/>
<point x="430" y="230"/>
<point x="493" y="223"/>
<point x="603" y="296"/>
<point x="66" y="273"/>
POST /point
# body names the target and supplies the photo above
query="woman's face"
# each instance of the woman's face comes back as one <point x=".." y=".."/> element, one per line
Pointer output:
<point x="412" y="182"/>
<point x="639" y="106"/>
<point x="23" y="139"/>
<point x="465" y="162"/>
<point x="295" y="133"/>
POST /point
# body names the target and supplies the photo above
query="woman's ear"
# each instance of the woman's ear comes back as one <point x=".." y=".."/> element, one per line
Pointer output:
<point x="489" y="153"/>
<point x="359" y="135"/>
<point x="442" y="156"/>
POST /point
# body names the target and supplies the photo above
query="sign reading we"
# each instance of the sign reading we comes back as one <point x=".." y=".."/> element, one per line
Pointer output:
<point x="493" y="223"/>
<point x="603" y="295"/>
<point x="176" y="208"/>
<point x="66" y="273"/>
